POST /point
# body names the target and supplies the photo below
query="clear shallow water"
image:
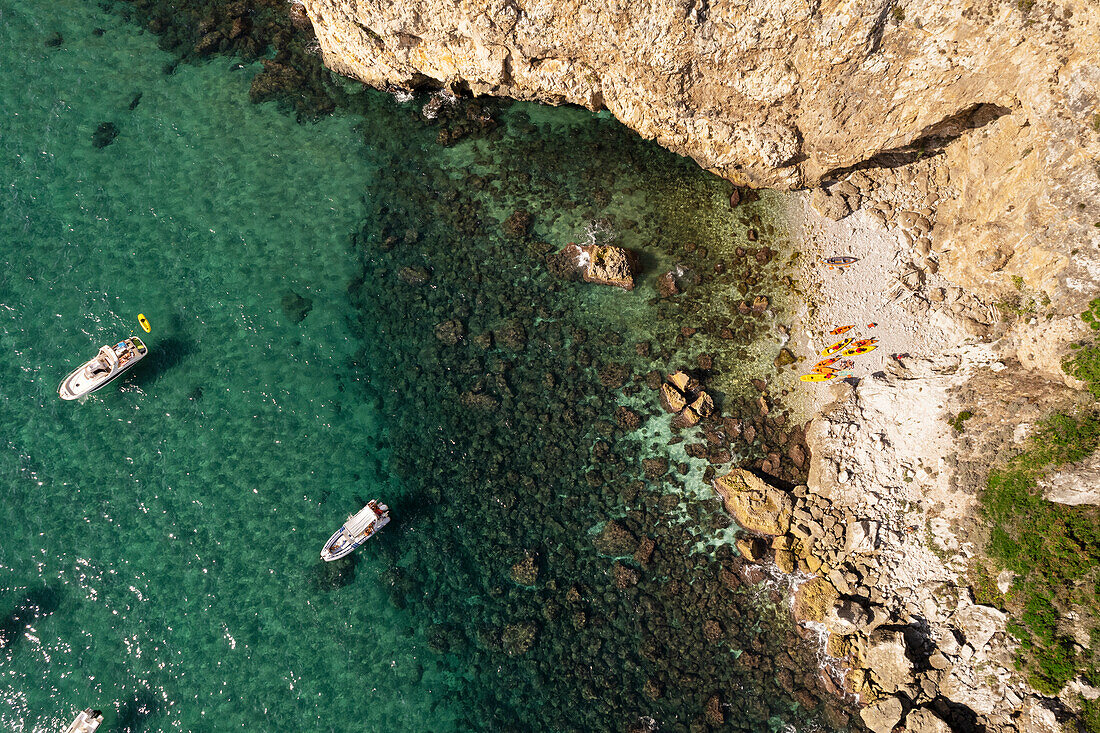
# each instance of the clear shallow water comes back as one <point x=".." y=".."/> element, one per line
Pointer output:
<point x="159" y="559"/>
<point x="170" y="527"/>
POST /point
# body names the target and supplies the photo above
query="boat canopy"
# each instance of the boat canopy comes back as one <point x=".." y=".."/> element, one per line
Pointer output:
<point x="358" y="524"/>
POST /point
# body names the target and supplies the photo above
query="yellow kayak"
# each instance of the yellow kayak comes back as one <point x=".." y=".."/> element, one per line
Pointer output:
<point x="144" y="322"/>
<point x="818" y="377"/>
<point x="859" y="350"/>
<point x="836" y="347"/>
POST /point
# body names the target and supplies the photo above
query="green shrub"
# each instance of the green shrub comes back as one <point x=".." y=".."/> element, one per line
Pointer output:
<point x="958" y="420"/>
<point x="1090" y="715"/>
<point x="1084" y="363"/>
<point x="1053" y="549"/>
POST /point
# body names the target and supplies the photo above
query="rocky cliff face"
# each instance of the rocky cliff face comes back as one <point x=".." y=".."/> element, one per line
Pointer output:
<point x="793" y="93"/>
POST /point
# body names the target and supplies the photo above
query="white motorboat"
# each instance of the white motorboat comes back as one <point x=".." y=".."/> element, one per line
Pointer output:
<point x="108" y="365"/>
<point x="359" y="528"/>
<point x="86" y="722"/>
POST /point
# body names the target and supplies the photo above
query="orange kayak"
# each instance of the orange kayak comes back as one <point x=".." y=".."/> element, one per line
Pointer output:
<point x="841" y="329"/>
<point x="863" y="342"/>
<point x="836" y="347"/>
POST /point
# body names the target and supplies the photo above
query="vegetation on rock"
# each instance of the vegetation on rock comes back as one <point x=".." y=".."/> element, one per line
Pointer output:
<point x="1054" y="551"/>
<point x="1084" y="363"/>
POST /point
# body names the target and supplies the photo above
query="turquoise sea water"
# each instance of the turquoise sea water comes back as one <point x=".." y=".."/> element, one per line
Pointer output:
<point x="160" y="539"/>
<point x="170" y="527"/>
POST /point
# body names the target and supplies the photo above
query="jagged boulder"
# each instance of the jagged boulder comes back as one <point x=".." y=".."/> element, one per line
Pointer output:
<point x="615" y="540"/>
<point x="756" y="505"/>
<point x="847" y="616"/>
<point x="923" y="720"/>
<point x="882" y="716"/>
<point x="861" y="537"/>
<point x="751" y="548"/>
<point x="603" y="264"/>
<point x="979" y="623"/>
<point x="885" y="658"/>
<point x="814" y="599"/>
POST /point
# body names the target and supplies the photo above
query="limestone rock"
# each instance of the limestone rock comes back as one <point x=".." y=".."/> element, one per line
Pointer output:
<point x="847" y="616"/>
<point x="923" y="720"/>
<point x="885" y="658"/>
<point x="703" y="405"/>
<point x="605" y="264"/>
<point x="687" y="418"/>
<point x="671" y="398"/>
<point x="814" y="599"/>
<point x="609" y="265"/>
<point x="597" y="263"/>
<point x="751" y="548"/>
<point x="861" y="537"/>
<point x="784" y="561"/>
<point x="1075" y="484"/>
<point x="979" y="623"/>
<point x="754" y="504"/>
<point x="882" y="716"/>
<point x="831" y="205"/>
<point x="680" y="380"/>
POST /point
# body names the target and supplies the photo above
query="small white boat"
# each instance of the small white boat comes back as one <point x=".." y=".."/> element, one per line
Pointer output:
<point x="359" y="528"/>
<point x="108" y="365"/>
<point x="86" y="722"/>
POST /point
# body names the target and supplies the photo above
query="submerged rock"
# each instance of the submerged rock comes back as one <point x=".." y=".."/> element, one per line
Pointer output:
<point x="614" y="540"/>
<point x="415" y="275"/>
<point x="517" y="639"/>
<point x="525" y="572"/>
<point x="518" y="224"/>
<point x="666" y="285"/>
<point x="105" y="134"/>
<point x="296" y="307"/>
<point x="511" y="335"/>
<point x="450" y="332"/>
